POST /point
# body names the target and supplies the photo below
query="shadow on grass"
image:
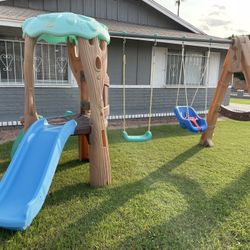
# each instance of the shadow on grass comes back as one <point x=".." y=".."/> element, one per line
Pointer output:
<point x="187" y="230"/>
<point x="55" y="198"/>
<point x="5" y="236"/>
<point x="118" y="196"/>
<point x="183" y="231"/>
<point x="3" y="166"/>
<point x="70" y="164"/>
<point x="71" y="144"/>
<point x="159" y="132"/>
<point x="115" y="136"/>
<point x="131" y="189"/>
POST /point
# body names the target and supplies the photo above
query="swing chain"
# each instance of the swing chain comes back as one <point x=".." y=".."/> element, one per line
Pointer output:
<point x="207" y="80"/>
<point x="206" y="70"/>
<point x="151" y="86"/>
<point x="184" y="76"/>
<point x="124" y="82"/>
<point x="180" y="74"/>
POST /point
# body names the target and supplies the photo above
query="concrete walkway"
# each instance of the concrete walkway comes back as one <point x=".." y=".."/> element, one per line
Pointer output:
<point x="239" y="107"/>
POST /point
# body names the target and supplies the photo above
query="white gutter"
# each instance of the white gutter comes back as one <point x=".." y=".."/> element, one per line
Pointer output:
<point x="10" y="23"/>
<point x="196" y="44"/>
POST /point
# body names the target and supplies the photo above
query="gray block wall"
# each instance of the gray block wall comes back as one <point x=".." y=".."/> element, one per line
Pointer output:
<point x="138" y="62"/>
<point x="164" y="100"/>
<point x="55" y="101"/>
<point x="49" y="101"/>
<point x="131" y="11"/>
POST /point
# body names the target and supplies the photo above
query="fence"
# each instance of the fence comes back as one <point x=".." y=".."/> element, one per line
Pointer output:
<point x="50" y="64"/>
<point x="194" y="65"/>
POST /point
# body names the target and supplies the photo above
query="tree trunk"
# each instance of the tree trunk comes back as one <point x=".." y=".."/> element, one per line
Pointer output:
<point x="94" y="60"/>
<point x="30" y="114"/>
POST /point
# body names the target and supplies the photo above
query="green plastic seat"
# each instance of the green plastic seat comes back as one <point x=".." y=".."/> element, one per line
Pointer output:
<point x="17" y="142"/>
<point x="19" y="139"/>
<point x="59" y="27"/>
<point x="69" y="113"/>
<point x="137" y="138"/>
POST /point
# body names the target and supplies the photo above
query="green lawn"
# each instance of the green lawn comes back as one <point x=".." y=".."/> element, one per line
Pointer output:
<point x="169" y="193"/>
<point x="240" y="101"/>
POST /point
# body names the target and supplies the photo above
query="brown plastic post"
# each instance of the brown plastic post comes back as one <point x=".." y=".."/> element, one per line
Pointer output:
<point x="94" y="60"/>
<point x="77" y="70"/>
<point x="30" y="114"/>
<point x="245" y="61"/>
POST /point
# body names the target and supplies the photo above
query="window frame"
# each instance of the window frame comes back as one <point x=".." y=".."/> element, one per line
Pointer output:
<point x="203" y="55"/>
<point x="46" y="83"/>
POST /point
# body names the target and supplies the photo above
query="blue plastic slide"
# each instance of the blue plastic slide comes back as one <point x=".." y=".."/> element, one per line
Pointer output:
<point x="26" y="182"/>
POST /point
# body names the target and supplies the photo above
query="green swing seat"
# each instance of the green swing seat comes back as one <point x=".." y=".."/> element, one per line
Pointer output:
<point x="137" y="138"/>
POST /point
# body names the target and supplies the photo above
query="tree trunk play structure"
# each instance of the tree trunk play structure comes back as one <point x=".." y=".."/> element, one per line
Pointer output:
<point x="90" y="71"/>
<point x="26" y="182"/>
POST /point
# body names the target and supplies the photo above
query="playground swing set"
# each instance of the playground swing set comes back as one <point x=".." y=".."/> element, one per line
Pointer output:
<point x="25" y="184"/>
<point x="186" y="115"/>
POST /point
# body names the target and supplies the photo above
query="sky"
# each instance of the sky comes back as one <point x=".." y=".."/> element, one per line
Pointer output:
<point x="220" y="18"/>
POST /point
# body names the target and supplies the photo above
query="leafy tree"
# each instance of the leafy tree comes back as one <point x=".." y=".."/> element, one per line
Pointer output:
<point x="238" y="75"/>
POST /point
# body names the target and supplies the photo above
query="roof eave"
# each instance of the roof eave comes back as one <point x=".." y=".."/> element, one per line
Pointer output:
<point x="171" y="15"/>
<point x="220" y="46"/>
<point x="10" y="23"/>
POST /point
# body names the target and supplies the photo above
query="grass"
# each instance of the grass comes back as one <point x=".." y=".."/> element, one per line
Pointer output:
<point x="240" y="101"/>
<point x="169" y="193"/>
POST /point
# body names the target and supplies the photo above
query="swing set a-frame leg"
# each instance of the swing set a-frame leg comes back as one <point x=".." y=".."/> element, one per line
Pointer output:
<point x="226" y="75"/>
<point x="237" y="60"/>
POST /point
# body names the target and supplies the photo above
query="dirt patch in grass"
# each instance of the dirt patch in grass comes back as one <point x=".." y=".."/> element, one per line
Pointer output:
<point x="8" y="134"/>
<point x="141" y="122"/>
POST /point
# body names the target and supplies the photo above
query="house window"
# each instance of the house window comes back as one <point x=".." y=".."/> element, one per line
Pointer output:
<point x="159" y="78"/>
<point x="168" y="67"/>
<point x="11" y="59"/>
<point x="50" y="64"/>
<point x="214" y="68"/>
<point x="173" y="68"/>
<point x="194" y="68"/>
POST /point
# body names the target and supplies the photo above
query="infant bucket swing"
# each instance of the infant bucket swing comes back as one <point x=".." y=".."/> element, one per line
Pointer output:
<point x="187" y="115"/>
<point x="147" y="135"/>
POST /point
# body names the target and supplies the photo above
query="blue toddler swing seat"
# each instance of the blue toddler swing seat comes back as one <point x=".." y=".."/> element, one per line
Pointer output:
<point x="189" y="119"/>
<point x="186" y="115"/>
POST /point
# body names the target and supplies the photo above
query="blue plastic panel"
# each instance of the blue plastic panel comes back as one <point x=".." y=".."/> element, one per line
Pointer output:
<point x="26" y="182"/>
